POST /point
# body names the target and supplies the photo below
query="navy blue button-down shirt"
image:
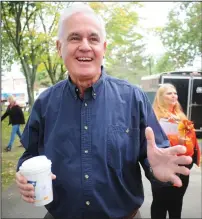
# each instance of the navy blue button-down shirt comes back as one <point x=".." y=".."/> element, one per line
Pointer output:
<point x="95" y="145"/>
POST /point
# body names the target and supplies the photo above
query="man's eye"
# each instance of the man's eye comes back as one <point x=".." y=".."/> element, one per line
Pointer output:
<point x="74" y="38"/>
<point x="94" y="39"/>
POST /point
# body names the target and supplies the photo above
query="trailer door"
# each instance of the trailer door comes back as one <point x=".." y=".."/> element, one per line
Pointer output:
<point x="182" y="84"/>
<point x="196" y="103"/>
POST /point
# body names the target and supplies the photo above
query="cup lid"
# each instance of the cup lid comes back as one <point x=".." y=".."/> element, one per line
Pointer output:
<point x="35" y="164"/>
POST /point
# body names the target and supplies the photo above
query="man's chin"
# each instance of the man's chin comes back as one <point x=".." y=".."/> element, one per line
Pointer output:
<point x="88" y="72"/>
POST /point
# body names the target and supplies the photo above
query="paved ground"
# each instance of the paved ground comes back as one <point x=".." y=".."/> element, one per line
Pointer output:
<point x="14" y="207"/>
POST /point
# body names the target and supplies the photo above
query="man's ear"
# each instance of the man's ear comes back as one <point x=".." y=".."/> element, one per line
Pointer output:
<point x="58" y="46"/>
<point x="105" y="46"/>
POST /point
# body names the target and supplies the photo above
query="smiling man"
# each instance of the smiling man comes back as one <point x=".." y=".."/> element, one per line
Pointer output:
<point x="94" y="129"/>
<point x="81" y="44"/>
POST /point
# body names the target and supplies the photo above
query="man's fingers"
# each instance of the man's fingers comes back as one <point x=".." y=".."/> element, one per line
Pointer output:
<point x="53" y="176"/>
<point x="28" y="199"/>
<point x="25" y="186"/>
<point x="183" y="160"/>
<point x="182" y="170"/>
<point x="178" y="149"/>
<point x="175" y="180"/>
<point x="27" y="193"/>
<point x="178" y="170"/>
<point x="20" y="178"/>
<point x="150" y="137"/>
<point x="22" y="183"/>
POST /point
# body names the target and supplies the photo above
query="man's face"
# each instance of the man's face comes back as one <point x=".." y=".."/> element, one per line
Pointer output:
<point x="81" y="46"/>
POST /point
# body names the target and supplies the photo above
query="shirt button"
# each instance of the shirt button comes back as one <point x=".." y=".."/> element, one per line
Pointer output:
<point x="94" y="94"/>
<point x="86" y="176"/>
<point x="86" y="104"/>
<point x="127" y="130"/>
<point x="85" y="127"/>
<point x="86" y="151"/>
<point x="87" y="203"/>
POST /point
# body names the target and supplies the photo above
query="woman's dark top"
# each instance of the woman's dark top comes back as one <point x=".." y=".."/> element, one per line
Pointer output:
<point x="16" y="116"/>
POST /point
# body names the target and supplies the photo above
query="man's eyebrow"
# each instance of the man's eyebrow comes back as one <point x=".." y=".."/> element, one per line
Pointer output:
<point x="73" y="35"/>
<point x="94" y="35"/>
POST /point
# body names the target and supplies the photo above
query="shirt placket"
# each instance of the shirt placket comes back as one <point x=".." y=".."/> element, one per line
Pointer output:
<point x="86" y="154"/>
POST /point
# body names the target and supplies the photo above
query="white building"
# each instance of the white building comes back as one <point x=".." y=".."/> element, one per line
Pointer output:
<point x="14" y="85"/>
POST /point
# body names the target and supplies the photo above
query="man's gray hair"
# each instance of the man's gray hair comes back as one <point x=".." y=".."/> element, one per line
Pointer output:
<point x="80" y="8"/>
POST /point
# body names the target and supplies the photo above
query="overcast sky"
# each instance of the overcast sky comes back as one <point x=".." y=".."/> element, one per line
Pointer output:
<point x="154" y="14"/>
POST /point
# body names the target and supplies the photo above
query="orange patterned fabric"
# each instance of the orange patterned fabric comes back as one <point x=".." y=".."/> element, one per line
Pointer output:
<point x="186" y="136"/>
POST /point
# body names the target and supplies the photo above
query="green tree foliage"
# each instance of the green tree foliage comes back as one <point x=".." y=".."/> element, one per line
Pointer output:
<point x="19" y="25"/>
<point x="51" y="64"/>
<point x="124" y="56"/>
<point x="29" y="33"/>
<point x="182" y="34"/>
<point x="164" y="64"/>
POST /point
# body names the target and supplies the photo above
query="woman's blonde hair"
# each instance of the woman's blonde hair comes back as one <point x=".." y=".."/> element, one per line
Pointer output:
<point x="159" y="106"/>
<point x="11" y="99"/>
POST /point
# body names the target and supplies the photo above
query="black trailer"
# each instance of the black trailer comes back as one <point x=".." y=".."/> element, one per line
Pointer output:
<point x="189" y="89"/>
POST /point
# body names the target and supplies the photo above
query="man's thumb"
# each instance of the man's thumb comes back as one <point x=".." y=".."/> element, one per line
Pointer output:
<point x="150" y="136"/>
<point x="53" y="176"/>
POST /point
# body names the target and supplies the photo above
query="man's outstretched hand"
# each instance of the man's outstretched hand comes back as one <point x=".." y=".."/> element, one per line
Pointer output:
<point x="165" y="162"/>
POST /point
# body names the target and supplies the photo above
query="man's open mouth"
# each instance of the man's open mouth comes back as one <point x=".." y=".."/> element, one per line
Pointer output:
<point x="84" y="59"/>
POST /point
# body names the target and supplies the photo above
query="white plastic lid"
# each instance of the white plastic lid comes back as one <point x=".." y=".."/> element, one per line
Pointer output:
<point x="35" y="164"/>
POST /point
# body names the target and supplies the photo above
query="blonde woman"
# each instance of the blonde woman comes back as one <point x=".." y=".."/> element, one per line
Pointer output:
<point x="16" y="118"/>
<point x="170" y="199"/>
<point x="166" y="103"/>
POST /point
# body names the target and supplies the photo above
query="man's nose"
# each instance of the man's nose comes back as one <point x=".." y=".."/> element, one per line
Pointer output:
<point x="84" y="46"/>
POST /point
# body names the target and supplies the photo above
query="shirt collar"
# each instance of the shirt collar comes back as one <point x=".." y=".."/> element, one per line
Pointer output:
<point x="91" y="92"/>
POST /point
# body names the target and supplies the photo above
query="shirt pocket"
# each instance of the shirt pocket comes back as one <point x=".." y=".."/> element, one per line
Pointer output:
<point x="122" y="146"/>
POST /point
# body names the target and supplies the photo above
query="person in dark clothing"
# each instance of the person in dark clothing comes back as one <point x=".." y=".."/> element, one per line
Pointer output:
<point x="168" y="199"/>
<point x="16" y="118"/>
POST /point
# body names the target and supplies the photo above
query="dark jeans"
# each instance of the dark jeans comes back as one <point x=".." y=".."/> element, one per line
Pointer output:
<point x="168" y="199"/>
<point x="15" y="130"/>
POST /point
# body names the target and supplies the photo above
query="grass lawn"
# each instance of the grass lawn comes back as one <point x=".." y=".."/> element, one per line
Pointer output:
<point x="10" y="159"/>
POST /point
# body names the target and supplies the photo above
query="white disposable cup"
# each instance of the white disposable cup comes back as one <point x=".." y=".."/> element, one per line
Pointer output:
<point x="37" y="171"/>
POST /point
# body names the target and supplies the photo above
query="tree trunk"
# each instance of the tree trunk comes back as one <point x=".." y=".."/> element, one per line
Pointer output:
<point x="28" y="73"/>
<point x="30" y="91"/>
